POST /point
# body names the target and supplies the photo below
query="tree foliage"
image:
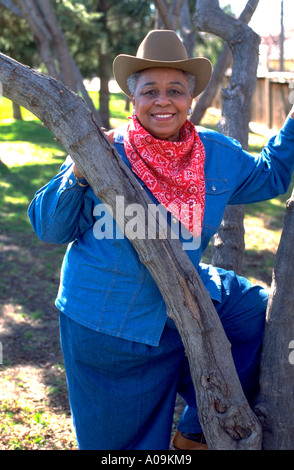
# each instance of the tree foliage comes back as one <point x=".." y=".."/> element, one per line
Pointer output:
<point x="16" y="38"/>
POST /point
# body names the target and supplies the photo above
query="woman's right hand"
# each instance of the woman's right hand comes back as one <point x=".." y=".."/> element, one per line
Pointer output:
<point x="108" y="134"/>
<point x="77" y="173"/>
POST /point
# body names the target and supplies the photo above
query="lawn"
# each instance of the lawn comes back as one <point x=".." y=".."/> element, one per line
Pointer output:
<point x="34" y="411"/>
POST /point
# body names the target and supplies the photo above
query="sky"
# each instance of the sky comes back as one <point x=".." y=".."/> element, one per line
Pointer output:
<point x="267" y="16"/>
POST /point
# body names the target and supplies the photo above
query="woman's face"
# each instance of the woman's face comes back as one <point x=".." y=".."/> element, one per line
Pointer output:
<point x="161" y="101"/>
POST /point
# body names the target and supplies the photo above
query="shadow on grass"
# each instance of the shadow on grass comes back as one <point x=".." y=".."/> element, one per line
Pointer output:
<point x="26" y="131"/>
<point x="272" y="212"/>
<point x="258" y="264"/>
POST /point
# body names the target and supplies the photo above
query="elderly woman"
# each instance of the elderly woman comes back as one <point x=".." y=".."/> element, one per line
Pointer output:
<point x="125" y="362"/>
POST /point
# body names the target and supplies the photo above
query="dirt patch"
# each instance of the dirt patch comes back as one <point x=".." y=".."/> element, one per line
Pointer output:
<point x="33" y="414"/>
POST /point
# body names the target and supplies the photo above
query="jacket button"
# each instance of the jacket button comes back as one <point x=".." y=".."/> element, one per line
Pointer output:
<point x="213" y="188"/>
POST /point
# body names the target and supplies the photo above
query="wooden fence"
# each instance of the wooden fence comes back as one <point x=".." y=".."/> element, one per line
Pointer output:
<point x="272" y="100"/>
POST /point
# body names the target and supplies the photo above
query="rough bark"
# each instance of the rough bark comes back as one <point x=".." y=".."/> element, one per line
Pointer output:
<point x="225" y="415"/>
<point x="275" y="406"/>
<point x="228" y="250"/>
<point x="228" y="242"/>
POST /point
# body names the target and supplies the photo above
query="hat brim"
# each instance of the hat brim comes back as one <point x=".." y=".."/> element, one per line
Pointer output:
<point x="125" y="65"/>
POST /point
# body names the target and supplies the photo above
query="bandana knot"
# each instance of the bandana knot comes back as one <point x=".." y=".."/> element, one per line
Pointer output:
<point x="173" y="171"/>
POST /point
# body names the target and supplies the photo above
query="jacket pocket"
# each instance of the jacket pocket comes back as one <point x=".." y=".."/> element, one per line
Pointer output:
<point x="216" y="186"/>
<point x="216" y="198"/>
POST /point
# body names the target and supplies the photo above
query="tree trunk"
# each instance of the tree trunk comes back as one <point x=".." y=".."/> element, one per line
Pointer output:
<point x="104" y="74"/>
<point x="169" y="19"/>
<point x="33" y="16"/>
<point x="275" y="406"/>
<point x="228" y="242"/>
<point x="59" y="45"/>
<point x="226" y="418"/>
<point x="244" y="44"/>
<point x="205" y="99"/>
<point x="188" y="34"/>
<point x="16" y="111"/>
<point x="223" y="63"/>
<point x="53" y="47"/>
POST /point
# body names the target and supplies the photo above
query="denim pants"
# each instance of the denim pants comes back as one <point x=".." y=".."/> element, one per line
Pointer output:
<point x="122" y="393"/>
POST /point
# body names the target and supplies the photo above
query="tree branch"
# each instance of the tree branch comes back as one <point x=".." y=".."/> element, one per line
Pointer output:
<point x="163" y="11"/>
<point x="225" y="415"/>
<point x="11" y="7"/>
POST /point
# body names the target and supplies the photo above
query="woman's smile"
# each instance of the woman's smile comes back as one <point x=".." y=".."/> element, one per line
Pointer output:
<point x="163" y="116"/>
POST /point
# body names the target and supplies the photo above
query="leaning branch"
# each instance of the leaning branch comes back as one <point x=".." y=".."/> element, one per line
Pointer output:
<point x="224" y="413"/>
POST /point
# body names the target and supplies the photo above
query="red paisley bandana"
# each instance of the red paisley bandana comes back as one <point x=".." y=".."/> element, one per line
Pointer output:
<point x="173" y="171"/>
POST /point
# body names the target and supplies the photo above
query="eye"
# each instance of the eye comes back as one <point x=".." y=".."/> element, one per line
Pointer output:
<point x="150" y="92"/>
<point x="175" y="91"/>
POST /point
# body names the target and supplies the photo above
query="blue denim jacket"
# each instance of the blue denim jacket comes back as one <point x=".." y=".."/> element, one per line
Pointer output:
<point x="103" y="284"/>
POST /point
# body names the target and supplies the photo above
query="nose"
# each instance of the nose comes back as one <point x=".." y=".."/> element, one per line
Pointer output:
<point x="162" y="99"/>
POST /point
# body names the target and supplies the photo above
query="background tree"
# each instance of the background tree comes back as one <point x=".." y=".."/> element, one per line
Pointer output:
<point x="229" y="246"/>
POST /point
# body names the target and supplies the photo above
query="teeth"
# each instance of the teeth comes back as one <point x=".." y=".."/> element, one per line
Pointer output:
<point x="163" y="115"/>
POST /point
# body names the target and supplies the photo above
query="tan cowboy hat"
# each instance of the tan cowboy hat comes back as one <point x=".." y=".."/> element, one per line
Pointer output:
<point x="161" y="48"/>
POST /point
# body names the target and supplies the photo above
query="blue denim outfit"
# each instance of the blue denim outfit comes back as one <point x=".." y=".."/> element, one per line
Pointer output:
<point x="122" y="393"/>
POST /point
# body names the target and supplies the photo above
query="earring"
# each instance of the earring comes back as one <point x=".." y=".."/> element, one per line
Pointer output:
<point x="134" y="112"/>
<point x="190" y="111"/>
